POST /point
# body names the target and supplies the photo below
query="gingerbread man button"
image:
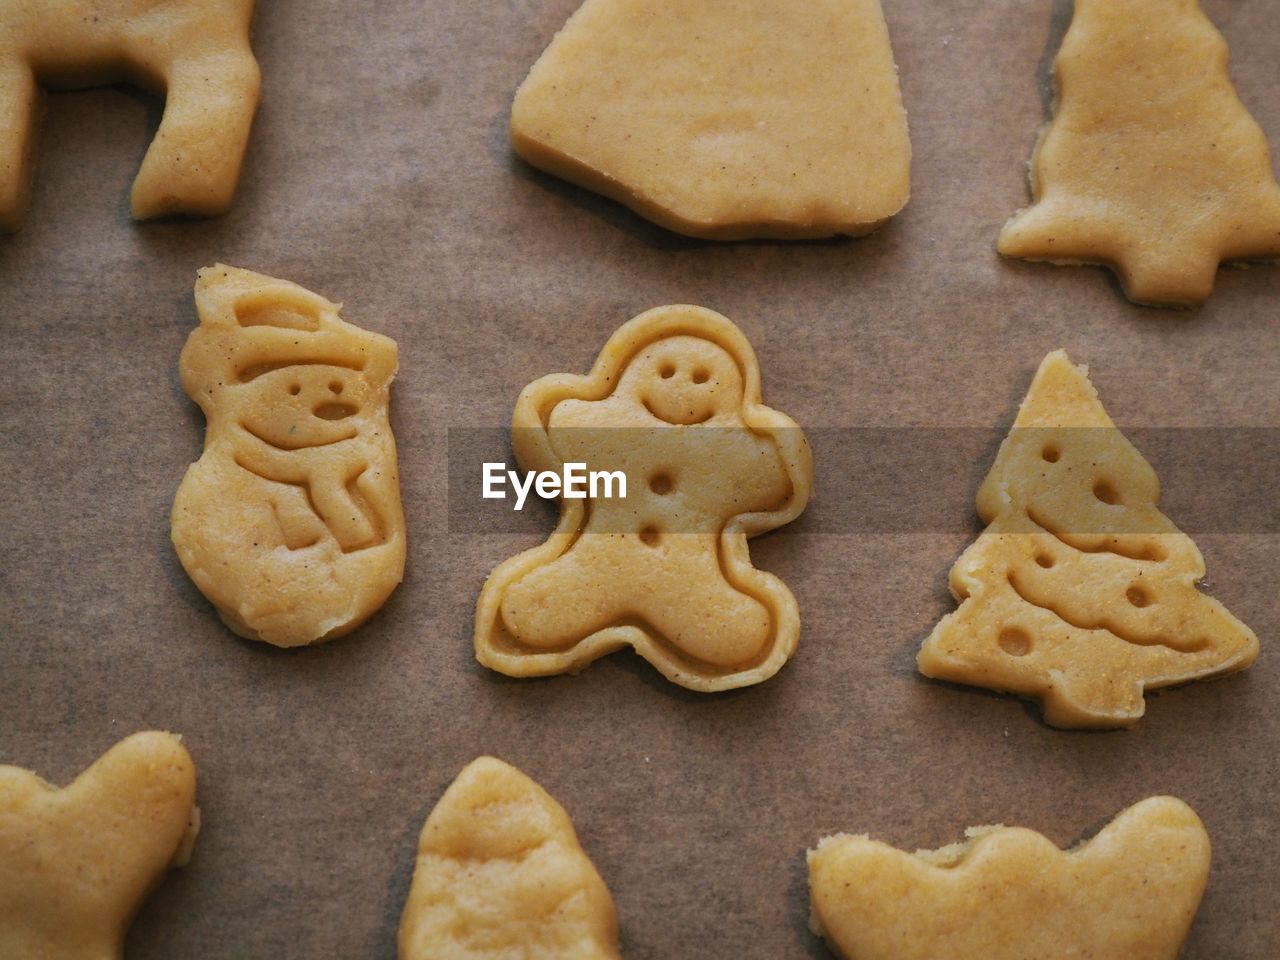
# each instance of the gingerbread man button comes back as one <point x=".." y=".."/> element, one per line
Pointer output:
<point x="674" y="404"/>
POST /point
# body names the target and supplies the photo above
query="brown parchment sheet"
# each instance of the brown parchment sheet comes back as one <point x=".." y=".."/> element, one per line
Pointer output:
<point x="379" y="175"/>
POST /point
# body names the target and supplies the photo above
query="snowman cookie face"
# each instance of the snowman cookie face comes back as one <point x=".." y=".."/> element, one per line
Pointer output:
<point x="674" y="403"/>
<point x="307" y="405"/>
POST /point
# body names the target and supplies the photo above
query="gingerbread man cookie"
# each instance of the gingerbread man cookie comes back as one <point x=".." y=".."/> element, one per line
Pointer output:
<point x="673" y="402"/>
<point x="500" y="875"/>
<point x="290" y="522"/>
<point x="1080" y="593"/>
<point x="76" y="863"/>
<point x="1151" y="165"/>
<point x="724" y="120"/>
<point x="195" y="52"/>
<point x="1130" y="893"/>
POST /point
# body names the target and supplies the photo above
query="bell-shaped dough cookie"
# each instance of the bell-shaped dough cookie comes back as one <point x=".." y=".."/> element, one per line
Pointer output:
<point x="1080" y="593"/>
<point x="501" y="876"/>
<point x="195" y="52"/>
<point x="673" y="402"/>
<point x="290" y="522"/>
<point x="1151" y="165"/>
<point x="724" y="120"/>
<point x="1130" y="893"/>
<point x="76" y="863"/>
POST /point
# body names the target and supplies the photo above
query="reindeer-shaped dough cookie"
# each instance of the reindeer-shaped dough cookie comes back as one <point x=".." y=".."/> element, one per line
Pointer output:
<point x="196" y="52"/>
<point x="291" y="521"/>
<point x="76" y="863"/>
<point x="674" y="403"/>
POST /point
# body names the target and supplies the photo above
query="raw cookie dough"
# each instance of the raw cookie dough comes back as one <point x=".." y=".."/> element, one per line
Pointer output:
<point x="76" y="863"/>
<point x="500" y="876"/>
<point x="724" y="119"/>
<point x="1130" y="893"/>
<point x="673" y="402"/>
<point x="1080" y="593"/>
<point x="290" y="522"/>
<point x="1151" y="165"/>
<point x="195" y="52"/>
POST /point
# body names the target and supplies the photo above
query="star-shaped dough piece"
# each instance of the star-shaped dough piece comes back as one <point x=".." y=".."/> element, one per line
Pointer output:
<point x="1080" y="593"/>
<point x="501" y="876"/>
<point x="1130" y="893"/>
<point x="1151" y="165"/>
<point x="726" y="119"/>
<point x="76" y="863"/>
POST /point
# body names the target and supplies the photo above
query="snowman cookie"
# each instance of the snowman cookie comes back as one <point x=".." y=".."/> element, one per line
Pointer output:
<point x="674" y="403"/>
<point x="290" y="522"/>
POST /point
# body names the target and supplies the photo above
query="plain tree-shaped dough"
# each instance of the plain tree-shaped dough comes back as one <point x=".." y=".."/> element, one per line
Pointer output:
<point x="1130" y="893"/>
<point x="1080" y="593"/>
<point x="500" y="876"/>
<point x="724" y="120"/>
<point x="76" y="863"/>
<point x="1151" y="164"/>
<point x="195" y="52"/>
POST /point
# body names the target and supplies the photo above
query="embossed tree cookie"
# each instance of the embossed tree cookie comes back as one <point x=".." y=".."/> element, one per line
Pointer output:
<point x="674" y="402"/>
<point x="1151" y="165"/>
<point x="76" y="863"/>
<point x="1080" y="593"/>
<point x="500" y="874"/>
<point x="290" y="522"/>
<point x="724" y="121"/>
<point x="1130" y="893"/>
<point x="195" y="52"/>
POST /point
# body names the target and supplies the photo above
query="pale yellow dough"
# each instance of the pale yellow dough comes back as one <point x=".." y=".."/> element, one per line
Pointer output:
<point x="724" y="119"/>
<point x="1080" y="593"/>
<point x="195" y="52"/>
<point x="76" y="863"/>
<point x="674" y="403"/>
<point x="1130" y="893"/>
<point x="500" y="876"/>
<point x="290" y="522"/>
<point x="1151" y="165"/>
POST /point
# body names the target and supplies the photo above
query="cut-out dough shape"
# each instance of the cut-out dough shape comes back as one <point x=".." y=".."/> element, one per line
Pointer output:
<point x="76" y="863"/>
<point x="1080" y="593"/>
<point x="673" y="402"/>
<point x="195" y="52"/>
<point x="1130" y="893"/>
<point x="500" y="876"/>
<point x="290" y="522"/>
<point x="1151" y="165"/>
<point x="724" y="120"/>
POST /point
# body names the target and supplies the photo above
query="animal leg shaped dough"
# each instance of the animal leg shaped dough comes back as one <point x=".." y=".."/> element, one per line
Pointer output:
<point x="673" y="402"/>
<point x="195" y="52"/>
<point x="724" y="120"/>
<point x="290" y="522"/>
<point x="500" y="875"/>
<point x="76" y="863"/>
<point x="1080" y="593"/>
<point x="1130" y="893"/>
<point x="1151" y="165"/>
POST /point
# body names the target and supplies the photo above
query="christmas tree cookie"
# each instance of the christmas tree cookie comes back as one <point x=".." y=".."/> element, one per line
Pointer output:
<point x="1151" y="165"/>
<point x="1130" y="893"/>
<point x="76" y="863"/>
<point x="500" y="875"/>
<point x="724" y="120"/>
<point x="1080" y="593"/>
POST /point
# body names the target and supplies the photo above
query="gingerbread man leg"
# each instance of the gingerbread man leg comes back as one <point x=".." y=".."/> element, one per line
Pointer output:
<point x="19" y="98"/>
<point x="194" y="161"/>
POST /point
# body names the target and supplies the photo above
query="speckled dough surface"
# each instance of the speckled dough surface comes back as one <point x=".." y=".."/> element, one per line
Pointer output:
<point x="1130" y="893"/>
<point x="1151" y="165"/>
<point x="290" y="522"/>
<point x="673" y="402"/>
<point x="1080" y="593"/>
<point x="724" y="119"/>
<point x="195" y="52"/>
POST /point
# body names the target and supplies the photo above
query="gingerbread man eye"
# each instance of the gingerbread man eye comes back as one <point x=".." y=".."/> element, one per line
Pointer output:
<point x="667" y="370"/>
<point x="701" y="375"/>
